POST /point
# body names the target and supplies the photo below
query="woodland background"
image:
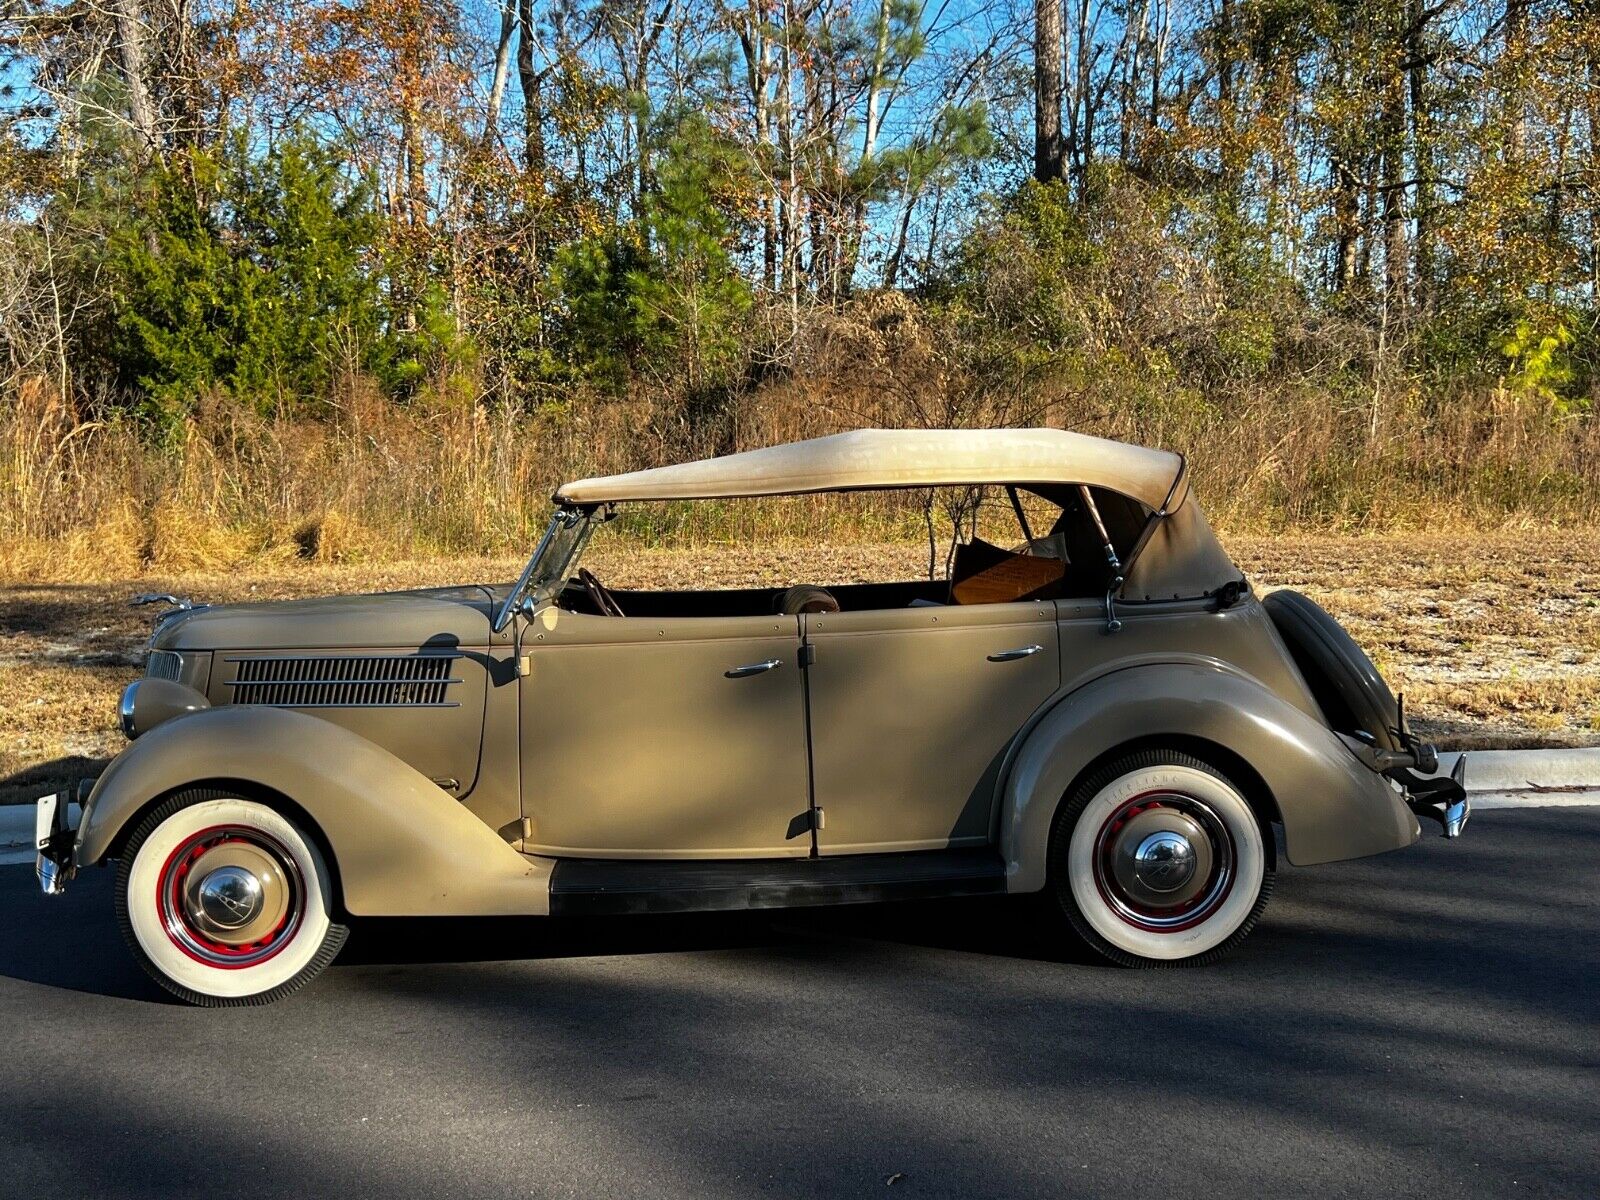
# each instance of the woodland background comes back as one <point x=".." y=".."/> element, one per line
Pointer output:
<point x="351" y="278"/>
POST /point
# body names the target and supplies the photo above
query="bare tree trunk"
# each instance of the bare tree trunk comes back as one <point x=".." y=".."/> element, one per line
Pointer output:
<point x="891" y="272"/>
<point x="757" y="47"/>
<point x="130" y="38"/>
<point x="1081" y="105"/>
<point x="502" y="70"/>
<point x="1134" y="35"/>
<point x="1346" y="220"/>
<point x="875" y="81"/>
<point x="1158" y="63"/>
<point x="1558" y="188"/>
<point x="1346" y="200"/>
<point x="1593" y="169"/>
<point x="1516" y="44"/>
<point x="184" y="78"/>
<point x="1396" y="255"/>
<point x="1366" y="223"/>
<point x="412" y="71"/>
<point x="1047" y="159"/>
<point x="532" y="80"/>
<point x="1421" y="154"/>
<point x="789" y="214"/>
<point x="415" y="165"/>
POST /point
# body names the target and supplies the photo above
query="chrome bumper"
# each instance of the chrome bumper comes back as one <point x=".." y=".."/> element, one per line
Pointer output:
<point x="1439" y="798"/>
<point x="55" y="841"/>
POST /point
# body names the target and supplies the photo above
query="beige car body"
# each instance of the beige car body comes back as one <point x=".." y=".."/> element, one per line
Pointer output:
<point x="537" y="734"/>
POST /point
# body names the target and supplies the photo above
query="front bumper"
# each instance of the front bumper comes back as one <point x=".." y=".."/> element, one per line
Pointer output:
<point x="55" y="841"/>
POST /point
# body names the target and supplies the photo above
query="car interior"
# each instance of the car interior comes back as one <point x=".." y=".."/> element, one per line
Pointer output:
<point x="1091" y="531"/>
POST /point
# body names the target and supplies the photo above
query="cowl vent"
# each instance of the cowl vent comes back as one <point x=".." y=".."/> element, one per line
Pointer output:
<point x="346" y="681"/>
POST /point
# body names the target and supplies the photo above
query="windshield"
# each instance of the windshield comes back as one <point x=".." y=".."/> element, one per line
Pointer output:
<point x="547" y="570"/>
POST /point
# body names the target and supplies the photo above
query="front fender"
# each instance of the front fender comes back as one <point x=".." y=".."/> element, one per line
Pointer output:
<point x="1331" y="804"/>
<point x="401" y="846"/>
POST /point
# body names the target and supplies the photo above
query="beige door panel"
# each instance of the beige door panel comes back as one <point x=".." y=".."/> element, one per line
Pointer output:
<point x="664" y="738"/>
<point x="911" y="712"/>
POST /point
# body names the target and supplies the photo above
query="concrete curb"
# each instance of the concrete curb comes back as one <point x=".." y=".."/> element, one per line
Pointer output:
<point x="16" y="831"/>
<point x="1530" y="770"/>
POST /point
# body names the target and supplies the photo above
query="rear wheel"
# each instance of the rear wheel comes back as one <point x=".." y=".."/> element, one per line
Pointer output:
<point x="1158" y="860"/>
<point x="225" y="902"/>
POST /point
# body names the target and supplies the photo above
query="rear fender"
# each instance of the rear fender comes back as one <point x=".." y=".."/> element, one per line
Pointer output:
<point x="1332" y="805"/>
<point x="401" y="846"/>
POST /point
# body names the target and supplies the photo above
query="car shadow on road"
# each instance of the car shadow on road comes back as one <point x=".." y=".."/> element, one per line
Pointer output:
<point x="74" y="943"/>
<point x="70" y="942"/>
<point x="1013" y="927"/>
<point x="1454" y="982"/>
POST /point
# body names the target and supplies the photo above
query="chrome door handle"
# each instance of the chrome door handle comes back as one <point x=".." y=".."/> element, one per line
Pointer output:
<point x="1013" y="655"/>
<point x="753" y="668"/>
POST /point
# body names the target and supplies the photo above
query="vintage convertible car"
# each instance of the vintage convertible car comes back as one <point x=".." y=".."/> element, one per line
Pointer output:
<point x="1103" y="713"/>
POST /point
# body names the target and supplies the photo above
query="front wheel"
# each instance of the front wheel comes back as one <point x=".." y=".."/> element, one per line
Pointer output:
<point x="1158" y="860"/>
<point x="225" y="902"/>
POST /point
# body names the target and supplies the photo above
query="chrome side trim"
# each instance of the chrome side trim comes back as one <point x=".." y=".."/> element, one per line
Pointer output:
<point x="335" y="656"/>
<point x="239" y="683"/>
<point x="362" y="704"/>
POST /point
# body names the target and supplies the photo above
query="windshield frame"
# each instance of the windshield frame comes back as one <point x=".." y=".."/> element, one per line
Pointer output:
<point x="563" y="541"/>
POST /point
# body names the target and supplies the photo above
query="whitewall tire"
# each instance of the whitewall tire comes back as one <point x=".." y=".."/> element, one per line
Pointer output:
<point x="1159" y="860"/>
<point x="224" y="901"/>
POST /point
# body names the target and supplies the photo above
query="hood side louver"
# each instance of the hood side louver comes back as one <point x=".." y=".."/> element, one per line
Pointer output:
<point x="164" y="664"/>
<point x="346" y="681"/>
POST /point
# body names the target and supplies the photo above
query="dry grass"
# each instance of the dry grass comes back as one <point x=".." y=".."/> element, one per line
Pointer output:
<point x="1495" y="638"/>
<point x="376" y="482"/>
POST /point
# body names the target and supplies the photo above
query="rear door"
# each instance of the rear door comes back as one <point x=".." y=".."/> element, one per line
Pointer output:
<point x="912" y="710"/>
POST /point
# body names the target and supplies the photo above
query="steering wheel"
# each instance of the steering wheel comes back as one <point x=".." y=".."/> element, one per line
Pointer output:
<point x="599" y="594"/>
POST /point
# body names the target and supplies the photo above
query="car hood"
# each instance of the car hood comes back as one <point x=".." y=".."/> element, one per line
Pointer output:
<point x="410" y="620"/>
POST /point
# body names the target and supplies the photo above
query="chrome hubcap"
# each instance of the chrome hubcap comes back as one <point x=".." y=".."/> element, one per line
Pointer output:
<point x="1164" y="861"/>
<point x="230" y="896"/>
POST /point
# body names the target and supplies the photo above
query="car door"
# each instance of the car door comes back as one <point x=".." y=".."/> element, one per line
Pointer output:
<point x="663" y="737"/>
<point x="911" y="712"/>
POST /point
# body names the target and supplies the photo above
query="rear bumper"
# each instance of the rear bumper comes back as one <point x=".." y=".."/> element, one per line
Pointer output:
<point x="1441" y="798"/>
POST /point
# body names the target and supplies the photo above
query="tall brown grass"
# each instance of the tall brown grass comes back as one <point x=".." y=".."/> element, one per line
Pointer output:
<point x="93" y="498"/>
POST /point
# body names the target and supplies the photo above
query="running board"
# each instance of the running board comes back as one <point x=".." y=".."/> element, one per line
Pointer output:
<point x="596" y="887"/>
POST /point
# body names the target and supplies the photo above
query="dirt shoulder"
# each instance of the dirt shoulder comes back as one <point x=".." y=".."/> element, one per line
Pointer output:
<point x="1494" y="638"/>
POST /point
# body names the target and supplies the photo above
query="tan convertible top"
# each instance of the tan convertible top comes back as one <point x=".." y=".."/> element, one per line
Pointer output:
<point x="893" y="458"/>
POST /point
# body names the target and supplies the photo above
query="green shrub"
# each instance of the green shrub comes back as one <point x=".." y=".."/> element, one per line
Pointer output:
<point x="256" y="275"/>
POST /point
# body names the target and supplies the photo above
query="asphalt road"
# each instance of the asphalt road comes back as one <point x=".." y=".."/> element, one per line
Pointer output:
<point x="1422" y="1024"/>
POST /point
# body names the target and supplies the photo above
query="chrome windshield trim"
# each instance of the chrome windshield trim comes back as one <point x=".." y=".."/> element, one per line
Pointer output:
<point x="564" y="518"/>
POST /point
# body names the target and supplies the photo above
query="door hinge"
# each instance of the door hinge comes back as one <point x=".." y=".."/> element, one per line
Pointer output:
<point x="808" y="654"/>
<point x="819" y="819"/>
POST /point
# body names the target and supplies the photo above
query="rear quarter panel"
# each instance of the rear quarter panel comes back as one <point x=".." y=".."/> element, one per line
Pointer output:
<point x="1194" y="676"/>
